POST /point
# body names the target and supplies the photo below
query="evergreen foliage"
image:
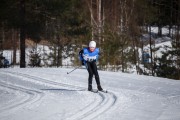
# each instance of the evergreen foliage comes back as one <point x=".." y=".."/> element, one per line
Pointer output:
<point x="35" y="58"/>
<point x="116" y="26"/>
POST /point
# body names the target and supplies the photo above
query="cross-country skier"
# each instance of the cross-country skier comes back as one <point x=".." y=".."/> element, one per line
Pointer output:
<point x="89" y="57"/>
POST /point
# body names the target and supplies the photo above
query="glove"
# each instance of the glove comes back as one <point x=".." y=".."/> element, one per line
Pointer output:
<point x="94" y="61"/>
<point x="82" y="62"/>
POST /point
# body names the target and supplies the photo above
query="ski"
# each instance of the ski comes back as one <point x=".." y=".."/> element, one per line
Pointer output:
<point x="105" y="91"/>
<point x="94" y="91"/>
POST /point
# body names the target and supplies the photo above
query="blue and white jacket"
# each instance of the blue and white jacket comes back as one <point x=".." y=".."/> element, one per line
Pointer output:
<point x="86" y="55"/>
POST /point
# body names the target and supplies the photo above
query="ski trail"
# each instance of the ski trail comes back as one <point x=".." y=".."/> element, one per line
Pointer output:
<point x="29" y="97"/>
<point x="43" y="80"/>
<point x="102" y="103"/>
<point x="107" y="101"/>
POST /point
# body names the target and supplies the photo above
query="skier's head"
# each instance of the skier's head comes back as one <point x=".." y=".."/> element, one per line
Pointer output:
<point x="92" y="46"/>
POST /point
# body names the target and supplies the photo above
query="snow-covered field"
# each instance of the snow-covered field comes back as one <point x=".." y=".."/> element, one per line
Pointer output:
<point x="51" y="94"/>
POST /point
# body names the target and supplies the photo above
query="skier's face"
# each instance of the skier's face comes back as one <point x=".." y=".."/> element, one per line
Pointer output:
<point x="92" y="49"/>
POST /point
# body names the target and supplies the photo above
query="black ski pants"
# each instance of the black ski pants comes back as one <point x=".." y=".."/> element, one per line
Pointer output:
<point x="92" y="70"/>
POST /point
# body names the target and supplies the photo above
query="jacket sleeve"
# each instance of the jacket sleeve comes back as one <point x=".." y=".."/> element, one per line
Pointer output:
<point x="98" y="53"/>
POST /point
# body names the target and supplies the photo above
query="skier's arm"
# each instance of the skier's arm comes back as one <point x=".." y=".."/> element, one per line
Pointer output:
<point x="81" y="57"/>
<point x="98" y="53"/>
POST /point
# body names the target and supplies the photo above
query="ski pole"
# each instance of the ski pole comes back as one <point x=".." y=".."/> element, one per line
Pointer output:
<point x="73" y="70"/>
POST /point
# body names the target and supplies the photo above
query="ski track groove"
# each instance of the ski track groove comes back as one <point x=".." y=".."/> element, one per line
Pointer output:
<point x="107" y="100"/>
<point x="31" y="97"/>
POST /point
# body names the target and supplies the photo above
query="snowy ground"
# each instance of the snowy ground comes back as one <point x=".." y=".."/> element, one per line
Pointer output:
<point x="51" y="94"/>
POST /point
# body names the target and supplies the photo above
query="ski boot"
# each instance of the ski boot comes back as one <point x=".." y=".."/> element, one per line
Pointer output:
<point x="89" y="87"/>
<point x="99" y="88"/>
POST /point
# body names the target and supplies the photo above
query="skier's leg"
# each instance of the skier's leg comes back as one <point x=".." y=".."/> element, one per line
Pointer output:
<point x="89" y="68"/>
<point x="94" y="68"/>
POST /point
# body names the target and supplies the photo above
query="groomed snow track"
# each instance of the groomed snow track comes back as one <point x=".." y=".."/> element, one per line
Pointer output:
<point x="102" y="103"/>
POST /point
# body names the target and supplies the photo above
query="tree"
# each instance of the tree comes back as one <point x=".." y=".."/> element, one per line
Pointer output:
<point x="22" y="34"/>
<point x="35" y="58"/>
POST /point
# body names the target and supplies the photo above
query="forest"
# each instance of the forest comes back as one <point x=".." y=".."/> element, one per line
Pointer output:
<point x="118" y="26"/>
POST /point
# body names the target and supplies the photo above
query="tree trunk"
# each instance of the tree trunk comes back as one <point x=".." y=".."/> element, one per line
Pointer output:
<point x="22" y="34"/>
<point x="150" y="42"/>
<point x="178" y="49"/>
<point x="59" y="54"/>
<point x="2" y="40"/>
<point x="14" y="46"/>
<point x="99" y="21"/>
<point x="122" y="57"/>
<point x="160" y="31"/>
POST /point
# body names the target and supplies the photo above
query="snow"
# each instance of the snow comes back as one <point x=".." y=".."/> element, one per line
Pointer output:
<point x="52" y="94"/>
<point x="162" y="48"/>
<point x="165" y="30"/>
